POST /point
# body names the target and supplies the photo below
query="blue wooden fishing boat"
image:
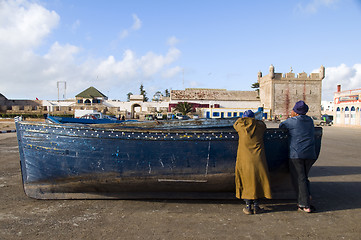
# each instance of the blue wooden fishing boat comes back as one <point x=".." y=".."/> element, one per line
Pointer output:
<point x="168" y="159"/>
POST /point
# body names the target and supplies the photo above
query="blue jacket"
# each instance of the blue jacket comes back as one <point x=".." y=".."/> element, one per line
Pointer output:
<point x="301" y="137"/>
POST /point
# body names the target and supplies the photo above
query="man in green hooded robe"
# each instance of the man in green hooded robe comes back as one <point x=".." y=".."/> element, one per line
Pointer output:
<point x="251" y="174"/>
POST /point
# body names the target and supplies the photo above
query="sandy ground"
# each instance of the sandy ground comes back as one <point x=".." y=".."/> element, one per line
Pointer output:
<point x="336" y="185"/>
<point x="7" y="124"/>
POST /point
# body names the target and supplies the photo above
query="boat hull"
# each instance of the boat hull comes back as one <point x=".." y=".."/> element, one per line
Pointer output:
<point x="60" y="161"/>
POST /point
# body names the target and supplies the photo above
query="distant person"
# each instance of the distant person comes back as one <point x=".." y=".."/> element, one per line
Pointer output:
<point x="251" y="173"/>
<point x="123" y="118"/>
<point x="302" y="153"/>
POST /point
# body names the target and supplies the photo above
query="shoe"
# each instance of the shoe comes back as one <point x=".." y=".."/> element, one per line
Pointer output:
<point x="258" y="210"/>
<point x="247" y="211"/>
<point x="304" y="209"/>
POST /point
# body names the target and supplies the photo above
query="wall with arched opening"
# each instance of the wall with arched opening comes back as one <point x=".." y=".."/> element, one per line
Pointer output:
<point x="135" y="110"/>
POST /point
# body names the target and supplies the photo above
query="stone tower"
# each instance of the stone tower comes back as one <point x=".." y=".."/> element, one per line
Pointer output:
<point x="280" y="92"/>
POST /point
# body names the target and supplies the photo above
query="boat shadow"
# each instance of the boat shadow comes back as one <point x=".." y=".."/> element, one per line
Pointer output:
<point x="323" y="171"/>
<point x="327" y="197"/>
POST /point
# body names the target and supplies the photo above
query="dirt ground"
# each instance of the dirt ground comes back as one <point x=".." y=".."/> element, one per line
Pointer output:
<point x="6" y="124"/>
<point x="335" y="181"/>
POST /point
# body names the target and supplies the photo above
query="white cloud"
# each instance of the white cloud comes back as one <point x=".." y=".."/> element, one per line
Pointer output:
<point x="24" y="24"/>
<point x="125" y="69"/>
<point x="172" y="41"/>
<point x="124" y="34"/>
<point x="25" y="74"/>
<point x="75" y="26"/>
<point x="136" y="26"/>
<point x="314" y="5"/>
<point x="152" y="63"/>
<point x="348" y="77"/>
<point x="172" y="72"/>
<point x="137" y="23"/>
<point x="62" y="54"/>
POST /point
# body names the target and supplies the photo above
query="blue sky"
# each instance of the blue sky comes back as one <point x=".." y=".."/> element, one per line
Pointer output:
<point x="117" y="45"/>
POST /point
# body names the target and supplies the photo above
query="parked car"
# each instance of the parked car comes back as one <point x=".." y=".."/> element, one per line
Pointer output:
<point x="149" y="117"/>
<point x="178" y="115"/>
<point x="318" y="121"/>
<point x="160" y="116"/>
<point x="170" y="116"/>
<point x="183" y="117"/>
<point x="328" y="119"/>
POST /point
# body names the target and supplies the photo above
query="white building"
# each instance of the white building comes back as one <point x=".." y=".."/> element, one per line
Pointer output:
<point x="347" y="105"/>
<point x="327" y="107"/>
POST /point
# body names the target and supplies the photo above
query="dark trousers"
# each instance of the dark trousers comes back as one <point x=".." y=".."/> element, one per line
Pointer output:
<point x="299" y="169"/>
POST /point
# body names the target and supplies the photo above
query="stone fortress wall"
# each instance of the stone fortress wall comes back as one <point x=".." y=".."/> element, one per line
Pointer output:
<point x="279" y="92"/>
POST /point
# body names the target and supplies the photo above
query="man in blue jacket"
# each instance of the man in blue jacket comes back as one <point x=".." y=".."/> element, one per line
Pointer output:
<point x="302" y="154"/>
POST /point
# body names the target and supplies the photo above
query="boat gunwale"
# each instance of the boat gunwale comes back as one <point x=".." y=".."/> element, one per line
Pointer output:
<point x="115" y="127"/>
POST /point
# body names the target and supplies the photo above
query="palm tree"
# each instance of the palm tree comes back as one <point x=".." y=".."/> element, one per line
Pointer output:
<point x="143" y="92"/>
<point x="157" y="96"/>
<point x="128" y="96"/>
<point x="184" y="107"/>
<point x="256" y="86"/>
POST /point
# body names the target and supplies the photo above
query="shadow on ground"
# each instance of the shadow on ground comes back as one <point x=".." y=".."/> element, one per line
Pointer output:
<point x="327" y="197"/>
<point x="323" y="171"/>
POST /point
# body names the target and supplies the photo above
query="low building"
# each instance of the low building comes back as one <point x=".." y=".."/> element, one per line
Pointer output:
<point x="205" y="101"/>
<point x="90" y="96"/>
<point x="11" y="106"/>
<point x="347" y="106"/>
<point x="59" y="107"/>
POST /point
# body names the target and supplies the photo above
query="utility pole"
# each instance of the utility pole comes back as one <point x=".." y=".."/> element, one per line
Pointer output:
<point x="183" y="78"/>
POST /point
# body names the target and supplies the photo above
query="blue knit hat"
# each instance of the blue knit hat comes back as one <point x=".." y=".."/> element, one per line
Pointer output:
<point x="248" y="113"/>
<point x="300" y="108"/>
